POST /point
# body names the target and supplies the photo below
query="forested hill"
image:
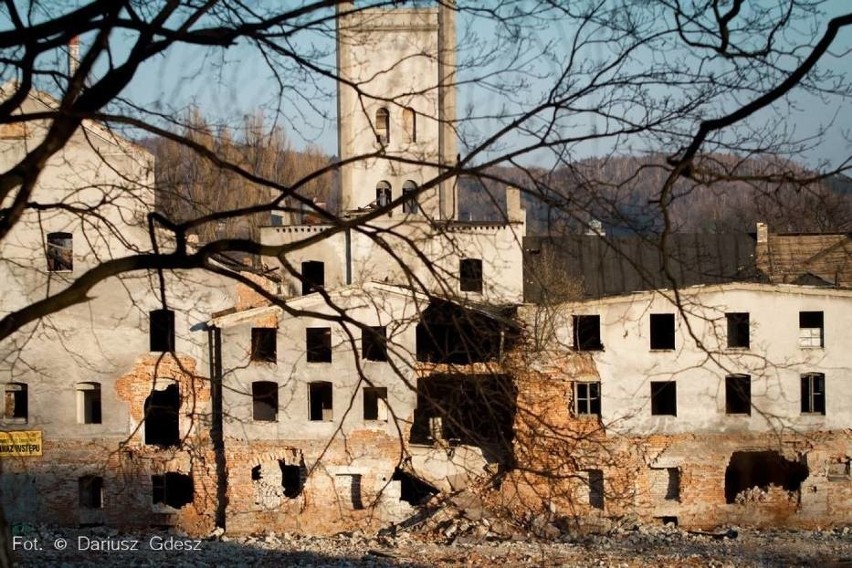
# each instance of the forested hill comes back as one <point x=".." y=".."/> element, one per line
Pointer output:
<point x="624" y="194"/>
<point x="621" y="192"/>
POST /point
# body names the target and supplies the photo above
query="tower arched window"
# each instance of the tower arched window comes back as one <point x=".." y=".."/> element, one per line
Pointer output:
<point x="383" y="126"/>
<point x="383" y="193"/>
<point x="409" y="188"/>
<point x="409" y="122"/>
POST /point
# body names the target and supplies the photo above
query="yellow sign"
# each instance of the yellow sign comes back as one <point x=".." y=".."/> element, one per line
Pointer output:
<point x="20" y="444"/>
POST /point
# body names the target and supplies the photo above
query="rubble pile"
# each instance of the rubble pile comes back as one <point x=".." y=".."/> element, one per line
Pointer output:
<point x="470" y="543"/>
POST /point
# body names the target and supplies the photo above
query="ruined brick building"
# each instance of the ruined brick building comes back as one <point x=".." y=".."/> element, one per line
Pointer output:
<point x="411" y="353"/>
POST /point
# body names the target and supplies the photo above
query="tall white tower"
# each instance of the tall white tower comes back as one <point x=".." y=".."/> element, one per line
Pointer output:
<point x="397" y="105"/>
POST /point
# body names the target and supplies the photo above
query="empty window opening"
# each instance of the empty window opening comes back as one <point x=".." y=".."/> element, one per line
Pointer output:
<point x="409" y="123"/>
<point x="449" y="333"/>
<point x="264" y="344"/>
<point x="410" y="205"/>
<point x="17" y="402"/>
<point x="839" y="470"/>
<point x="313" y="276"/>
<point x="320" y="401"/>
<point x="91" y="492"/>
<point x="384" y="194"/>
<point x="813" y="393"/>
<point x="374" y="343"/>
<point x="665" y="484"/>
<point x="470" y="275"/>
<point x="162" y="411"/>
<point x="292" y="479"/>
<point x="596" y="488"/>
<point x="738" y="330"/>
<point x="276" y="480"/>
<point x="318" y="344"/>
<point x="264" y="397"/>
<point x="349" y="489"/>
<point x="375" y="403"/>
<point x="664" y="398"/>
<point x="162" y="330"/>
<point x="762" y="469"/>
<point x="88" y="403"/>
<point x="811" y="329"/>
<point x="60" y="252"/>
<point x="474" y="410"/>
<point x="738" y="394"/>
<point x="172" y="489"/>
<point x="667" y="521"/>
<point x="383" y="126"/>
<point x="412" y="489"/>
<point x="587" y="399"/>
<point x="662" y="331"/>
<point x="587" y="333"/>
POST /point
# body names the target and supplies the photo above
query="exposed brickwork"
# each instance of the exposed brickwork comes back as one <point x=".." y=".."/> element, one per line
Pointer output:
<point x="554" y="449"/>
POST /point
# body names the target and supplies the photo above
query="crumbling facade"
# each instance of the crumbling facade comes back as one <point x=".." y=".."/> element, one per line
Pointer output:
<point x="405" y="354"/>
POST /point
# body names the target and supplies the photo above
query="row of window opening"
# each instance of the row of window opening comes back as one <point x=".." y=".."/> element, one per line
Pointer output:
<point x="587" y="396"/>
<point x="587" y="331"/>
<point x="383" y="125"/>
<point x="320" y="402"/>
<point x="384" y="195"/>
<point x="264" y="344"/>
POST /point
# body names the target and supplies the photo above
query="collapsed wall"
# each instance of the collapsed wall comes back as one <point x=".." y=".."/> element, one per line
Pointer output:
<point x="575" y="466"/>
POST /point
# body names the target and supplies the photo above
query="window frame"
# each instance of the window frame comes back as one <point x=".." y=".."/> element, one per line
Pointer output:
<point x="310" y="269"/>
<point x="589" y="401"/>
<point x="813" y="393"/>
<point x="409" y="123"/>
<point x="377" y="397"/>
<point x="262" y="338"/>
<point x="156" y="326"/>
<point x="383" y="126"/>
<point x="581" y="321"/>
<point x="732" y="389"/>
<point x="60" y="251"/>
<point x="89" y="486"/>
<point x="374" y="343"/>
<point x="738" y="326"/>
<point x="471" y="275"/>
<point x="322" y="416"/>
<point x="19" y="393"/>
<point x="659" y="398"/>
<point x="269" y="398"/>
<point x="384" y="194"/>
<point x="410" y="205"/>
<point x="807" y="335"/>
<point x="84" y="391"/>
<point x="668" y="321"/>
<point x="322" y="353"/>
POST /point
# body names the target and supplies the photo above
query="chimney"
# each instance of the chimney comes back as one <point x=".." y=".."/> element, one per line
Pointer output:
<point x="762" y="256"/>
<point x="514" y="209"/>
<point x="73" y="55"/>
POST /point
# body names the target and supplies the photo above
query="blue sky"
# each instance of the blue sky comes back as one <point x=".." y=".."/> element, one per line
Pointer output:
<point x="226" y="85"/>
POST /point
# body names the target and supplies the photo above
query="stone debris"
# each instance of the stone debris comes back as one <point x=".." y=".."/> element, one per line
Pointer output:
<point x="470" y="544"/>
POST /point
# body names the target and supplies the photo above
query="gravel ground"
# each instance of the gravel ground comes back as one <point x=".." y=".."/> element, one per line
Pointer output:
<point x="38" y="546"/>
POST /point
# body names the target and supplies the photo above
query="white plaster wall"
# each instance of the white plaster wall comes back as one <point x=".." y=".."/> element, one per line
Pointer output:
<point x="417" y="254"/>
<point x="98" y="188"/>
<point x="104" y="186"/>
<point x="774" y="360"/>
<point x="292" y="372"/>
